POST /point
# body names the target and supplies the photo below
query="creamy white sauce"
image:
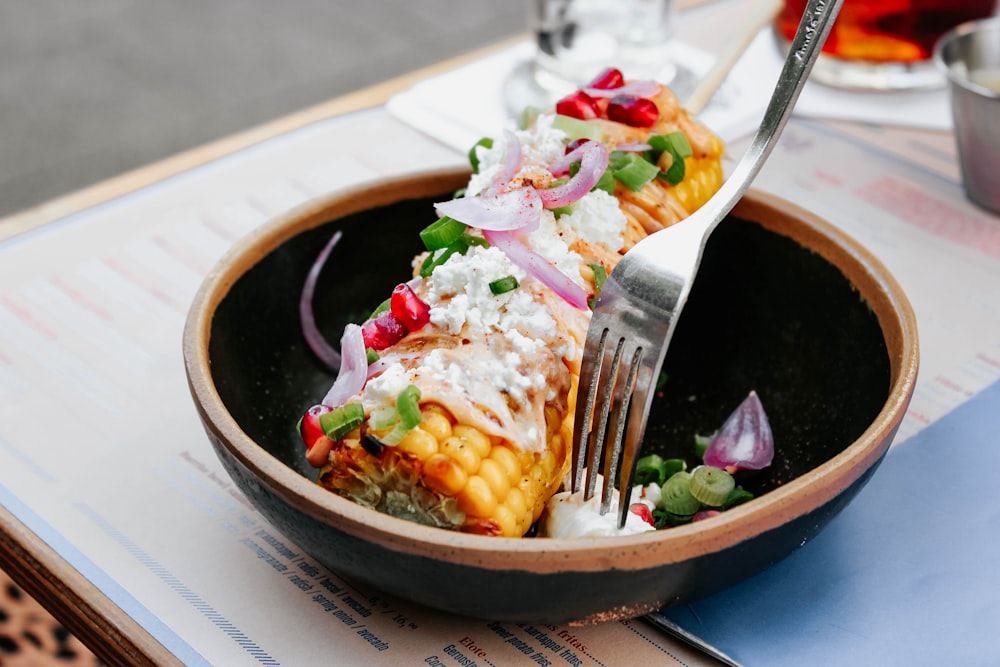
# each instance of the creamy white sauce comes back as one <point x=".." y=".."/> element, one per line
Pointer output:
<point x="568" y="515"/>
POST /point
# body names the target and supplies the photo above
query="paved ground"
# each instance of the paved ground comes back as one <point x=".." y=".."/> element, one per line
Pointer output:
<point x="91" y="89"/>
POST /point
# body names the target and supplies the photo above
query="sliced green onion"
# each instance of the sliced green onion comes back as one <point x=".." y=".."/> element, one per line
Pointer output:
<point x="576" y="128"/>
<point x="701" y="443"/>
<point x="381" y="308"/>
<point x="678" y="146"/>
<point x="408" y="409"/>
<point x="631" y="169"/>
<point x="528" y="116"/>
<point x="606" y="182"/>
<point x="600" y="277"/>
<point x="438" y="257"/>
<point x="562" y="210"/>
<point x="473" y="158"/>
<point x="676" y="495"/>
<point x="736" y="497"/>
<point x="442" y="233"/>
<point x="656" y="469"/>
<point x="340" y="421"/>
<point x="503" y="285"/>
<point x="711" y="485"/>
<point x="372" y="355"/>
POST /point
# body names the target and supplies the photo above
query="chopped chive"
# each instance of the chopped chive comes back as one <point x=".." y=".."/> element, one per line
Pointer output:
<point x="503" y="285"/>
<point x="442" y="232"/>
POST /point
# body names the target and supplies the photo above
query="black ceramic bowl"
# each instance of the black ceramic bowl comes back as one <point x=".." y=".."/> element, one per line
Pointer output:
<point x="784" y="304"/>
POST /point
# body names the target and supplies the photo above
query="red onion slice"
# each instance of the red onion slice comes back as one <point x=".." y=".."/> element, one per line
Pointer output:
<point x="307" y="318"/>
<point x="353" y="368"/>
<point x="634" y="147"/>
<point x="593" y="158"/>
<point x="637" y="88"/>
<point x="745" y="440"/>
<point x="511" y="162"/>
<point x="539" y="267"/>
<point x="506" y="211"/>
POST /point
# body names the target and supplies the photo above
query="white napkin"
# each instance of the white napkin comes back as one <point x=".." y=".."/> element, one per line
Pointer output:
<point x="465" y="104"/>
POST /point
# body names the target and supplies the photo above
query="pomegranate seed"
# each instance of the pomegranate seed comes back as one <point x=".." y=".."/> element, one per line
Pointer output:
<point x="573" y="145"/>
<point x="705" y="514"/>
<point x="309" y="428"/>
<point x="632" y="110"/>
<point x="608" y="79"/>
<point x="383" y="331"/>
<point x="408" y="308"/>
<point x="642" y="511"/>
<point x="578" y="105"/>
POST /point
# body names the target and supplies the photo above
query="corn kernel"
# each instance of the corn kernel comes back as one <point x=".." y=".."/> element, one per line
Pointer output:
<point x="444" y="475"/>
<point x="496" y="478"/>
<point x="508" y="462"/>
<point x="516" y="503"/>
<point x="419" y="443"/>
<point x="476" y="499"/>
<point x="510" y="524"/>
<point x="474" y="437"/>
<point x="463" y="453"/>
<point x="436" y="423"/>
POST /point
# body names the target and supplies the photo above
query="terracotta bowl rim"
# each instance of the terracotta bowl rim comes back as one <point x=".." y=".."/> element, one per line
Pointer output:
<point x="767" y="512"/>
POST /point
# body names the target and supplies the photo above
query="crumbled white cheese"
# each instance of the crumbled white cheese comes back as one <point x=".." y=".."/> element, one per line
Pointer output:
<point x="541" y="145"/>
<point x="459" y="296"/>
<point x="596" y="218"/>
<point x="381" y="391"/>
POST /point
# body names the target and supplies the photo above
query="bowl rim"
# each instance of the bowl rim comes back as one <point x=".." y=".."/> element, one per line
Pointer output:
<point x="805" y="493"/>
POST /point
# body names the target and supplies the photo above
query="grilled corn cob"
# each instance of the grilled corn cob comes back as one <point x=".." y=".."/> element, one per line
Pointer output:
<point x="490" y="380"/>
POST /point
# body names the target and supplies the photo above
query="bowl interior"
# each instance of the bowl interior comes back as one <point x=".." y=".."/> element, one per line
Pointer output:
<point x="766" y="314"/>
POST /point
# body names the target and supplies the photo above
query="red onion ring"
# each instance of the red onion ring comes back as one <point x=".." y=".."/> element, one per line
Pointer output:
<point x="353" y="368"/>
<point x="539" y="267"/>
<point x="637" y="88"/>
<point x="307" y="317"/>
<point x="506" y="211"/>
<point x="593" y="158"/>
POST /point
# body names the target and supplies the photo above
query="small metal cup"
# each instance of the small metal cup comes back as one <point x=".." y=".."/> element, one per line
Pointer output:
<point x="969" y="55"/>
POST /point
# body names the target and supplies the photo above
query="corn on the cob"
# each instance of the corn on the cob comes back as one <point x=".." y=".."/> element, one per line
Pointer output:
<point x="486" y="459"/>
<point x="451" y="475"/>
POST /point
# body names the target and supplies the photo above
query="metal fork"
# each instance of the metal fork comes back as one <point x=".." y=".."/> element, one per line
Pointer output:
<point x="638" y="307"/>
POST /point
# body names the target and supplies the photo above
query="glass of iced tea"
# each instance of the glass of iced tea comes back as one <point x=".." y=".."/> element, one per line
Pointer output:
<point x="884" y="44"/>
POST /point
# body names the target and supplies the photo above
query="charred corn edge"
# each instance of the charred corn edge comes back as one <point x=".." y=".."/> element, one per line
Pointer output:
<point x="501" y="489"/>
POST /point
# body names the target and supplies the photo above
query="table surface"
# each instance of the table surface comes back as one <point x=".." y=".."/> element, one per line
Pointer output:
<point x="908" y="163"/>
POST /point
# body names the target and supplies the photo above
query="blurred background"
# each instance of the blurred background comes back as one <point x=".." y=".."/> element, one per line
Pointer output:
<point x="89" y="90"/>
<point x="92" y="89"/>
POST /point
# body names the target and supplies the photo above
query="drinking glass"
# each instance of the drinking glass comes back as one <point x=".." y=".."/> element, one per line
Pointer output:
<point x="884" y="44"/>
<point x="576" y="39"/>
